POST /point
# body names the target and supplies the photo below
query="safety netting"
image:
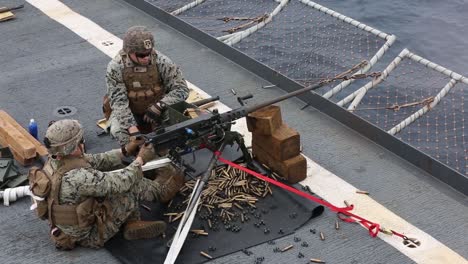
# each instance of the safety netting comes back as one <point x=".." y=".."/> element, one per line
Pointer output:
<point x="421" y="103"/>
<point x="298" y="38"/>
<point x="307" y="45"/>
<point x="307" y="42"/>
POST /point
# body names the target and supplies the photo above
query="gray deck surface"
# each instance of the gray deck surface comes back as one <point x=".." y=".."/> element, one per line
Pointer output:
<point x="44" y="65"/>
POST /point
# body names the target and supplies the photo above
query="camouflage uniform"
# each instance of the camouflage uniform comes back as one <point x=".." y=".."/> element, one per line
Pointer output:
<point x="84" y="202"/>
<point x="123" y="189"/>
<point x="122" y="118"/>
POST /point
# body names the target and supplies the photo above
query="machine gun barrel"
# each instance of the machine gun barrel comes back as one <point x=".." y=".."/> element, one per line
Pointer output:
<point x="205" y="101"/>
<point x="286" y="96"/>
<point x="245" y="110"/>
<point x="177" y="135"/>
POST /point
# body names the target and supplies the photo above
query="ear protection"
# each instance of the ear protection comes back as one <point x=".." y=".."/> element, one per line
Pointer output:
<point x="47" y="142"/>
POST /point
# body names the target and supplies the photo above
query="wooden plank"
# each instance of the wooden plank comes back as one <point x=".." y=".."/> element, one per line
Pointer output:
<point x="293" y="170"/>
<point x="265" y="121"/>
<point x="284" y="143"/>
<point x="41" y="149"/>
<point x="4" y="16"/>
<point x="20" y="159"/>
<point x="14" y="139"/>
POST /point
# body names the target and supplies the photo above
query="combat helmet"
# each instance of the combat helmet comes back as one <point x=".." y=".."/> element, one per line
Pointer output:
<point x="63" y="136"/>
<point x="138" y="39"/>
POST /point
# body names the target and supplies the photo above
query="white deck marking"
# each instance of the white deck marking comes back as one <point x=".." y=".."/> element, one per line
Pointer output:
<point x="322" y="182"/>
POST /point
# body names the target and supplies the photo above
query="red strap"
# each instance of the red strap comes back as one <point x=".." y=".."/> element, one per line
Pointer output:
<point x="343" y="212"/>
<point x="398" y="234"/>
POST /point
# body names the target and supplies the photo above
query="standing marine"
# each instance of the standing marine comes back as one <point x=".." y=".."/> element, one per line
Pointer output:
<point x="84" y="201"/>
<point x="141" y="81"/>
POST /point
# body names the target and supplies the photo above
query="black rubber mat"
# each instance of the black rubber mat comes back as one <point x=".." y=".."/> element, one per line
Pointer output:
<point x="275" y="216"/>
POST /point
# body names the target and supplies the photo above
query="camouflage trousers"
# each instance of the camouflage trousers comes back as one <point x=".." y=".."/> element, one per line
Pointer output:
<point x="125" y="206"/>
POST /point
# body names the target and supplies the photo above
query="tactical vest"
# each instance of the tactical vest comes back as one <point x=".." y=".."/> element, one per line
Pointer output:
<point x="143" y="83"/>
<point x="45" y="185"/>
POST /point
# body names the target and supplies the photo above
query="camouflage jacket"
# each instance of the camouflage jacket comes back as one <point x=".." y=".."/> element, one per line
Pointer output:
<point x="78" y="184"/>
<point x="172" y="80"/>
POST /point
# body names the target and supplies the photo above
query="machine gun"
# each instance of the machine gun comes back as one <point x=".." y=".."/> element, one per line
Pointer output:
<point x="213" y="131"/>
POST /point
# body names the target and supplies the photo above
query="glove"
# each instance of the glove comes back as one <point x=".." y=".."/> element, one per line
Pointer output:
<point x="154" y="112"/>
<point x="147" y="152"/>
<point x="132" y="147"/>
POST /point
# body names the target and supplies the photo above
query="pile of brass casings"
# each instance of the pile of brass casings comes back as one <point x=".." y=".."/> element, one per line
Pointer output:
<point x="230" y="194"/>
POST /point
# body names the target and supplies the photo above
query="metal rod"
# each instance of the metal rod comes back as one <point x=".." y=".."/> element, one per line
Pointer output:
<point x="189" y="213"/>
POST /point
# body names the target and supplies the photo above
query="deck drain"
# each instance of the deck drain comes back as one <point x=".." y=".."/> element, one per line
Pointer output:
<point x="411" y="243"/>
<point x="63" y="111"/>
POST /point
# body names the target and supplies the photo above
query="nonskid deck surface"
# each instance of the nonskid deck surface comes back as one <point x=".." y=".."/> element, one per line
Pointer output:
<point x="46" y="65"/>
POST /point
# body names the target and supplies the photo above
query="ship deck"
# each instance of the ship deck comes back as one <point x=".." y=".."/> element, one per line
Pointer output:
<point x="46" y="65"/>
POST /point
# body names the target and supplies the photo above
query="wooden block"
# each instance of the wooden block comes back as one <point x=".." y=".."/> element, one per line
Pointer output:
<point x="41" y="149"/>
<point x="194" y="96"/>
<point x="14" y="139"/>
<point x="4" y="16"/>
<point x="206" y="106"/>
<point x="293" y="170"/>
<point x="265" y="121"/>
<point x="283" y="144"/>
<point x="20" y="159"/>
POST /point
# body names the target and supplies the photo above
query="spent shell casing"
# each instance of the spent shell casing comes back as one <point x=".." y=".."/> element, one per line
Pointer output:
<point x="171" y="214"/>
<point x="322" y="236"/>
<point x="146" y="207"/>
<point x="287" y="248"/>
<point x="177" y="217"/>
<point x="337" y="225"/>
<point x="205" y="255"/>
<point x="316" y="260"/>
